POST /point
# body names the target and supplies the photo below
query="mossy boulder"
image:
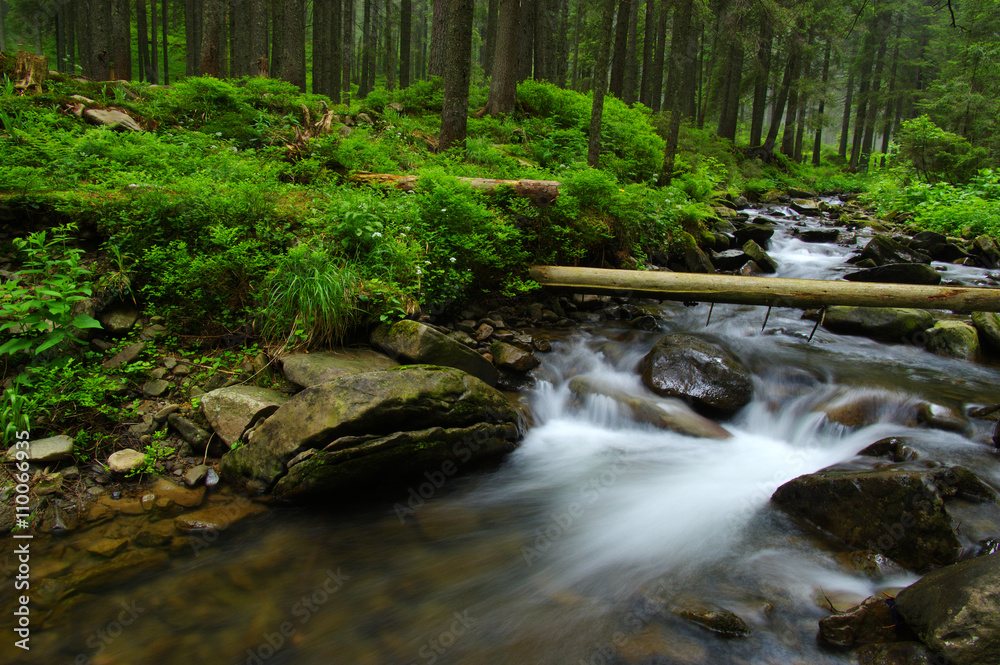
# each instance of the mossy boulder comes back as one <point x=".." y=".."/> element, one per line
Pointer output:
<point x="310" y="369"/>
<point x="894" y="324"/>
<point x="956" y="611"/>
<point x="883" y="250"/>
<point x="230" y="411"/>
<point x="411" y="342"/>
<point x="953" y="339"/>
<point x="353" y="420"/>
<point x="870" y="622"/>
<point x="988" y="326"/>
<point x="898" y="512"/>
<point x="702" y="373"/>
<point x="759" y="233"/>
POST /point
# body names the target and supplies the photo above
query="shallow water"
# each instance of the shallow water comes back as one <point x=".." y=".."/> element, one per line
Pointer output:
<point x="567" y="550"/>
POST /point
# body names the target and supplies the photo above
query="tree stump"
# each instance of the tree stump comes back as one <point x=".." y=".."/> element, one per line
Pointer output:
<point x="30" y="71"/>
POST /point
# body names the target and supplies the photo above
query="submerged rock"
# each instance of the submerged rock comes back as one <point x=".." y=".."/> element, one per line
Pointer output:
<point x="352" y="425"/>
<point x="720" y="622"/>
<point x="894" y="324"/>
<point x="700" y="372"/>
<point x="668" y="414"/>
<point x="956" y="611"/>
<point x="510" y="357"/>
<point x="410" y="342"/>
<point x="898" y="512"/>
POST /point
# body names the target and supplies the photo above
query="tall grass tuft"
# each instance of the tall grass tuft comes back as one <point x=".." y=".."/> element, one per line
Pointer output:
<point x="311" y="299"/>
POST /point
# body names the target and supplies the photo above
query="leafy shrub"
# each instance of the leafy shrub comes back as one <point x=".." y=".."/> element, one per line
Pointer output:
<point x="937" y="155"/>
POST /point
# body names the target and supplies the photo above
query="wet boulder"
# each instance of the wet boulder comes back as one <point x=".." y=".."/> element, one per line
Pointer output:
<point x="730" y="260"/>
<point x="410" y="342"/>
<point x="868" y="623"/>
<point x="373" y="428"/>
<point x="892" y="324"/>
<point x="663" y="413"/>
<point x="953" y="339"/>
<point x="807" y="207"/>
<point x="956" y="611"/>
<point x="883" y="250"/>
<point x="513" y="358"/>
<point x="230" y="411"/>
<point x="898" y="512"/>
<point x="897" y="273"/>
<point x="702" y="373"/>
<point x="310" y="369"/>
<point x="759" y="233"/>
<point x="896" y="653"/>
<point x="760" y="257"/>
<point x="987" y="251"/>
<point x="988" y="326"/>
<point x="937" y="246"/>
<point x="817" y="235"/>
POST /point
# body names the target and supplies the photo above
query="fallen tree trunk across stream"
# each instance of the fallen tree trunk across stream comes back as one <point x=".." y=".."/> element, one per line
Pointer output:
<point x="770" y="291"/>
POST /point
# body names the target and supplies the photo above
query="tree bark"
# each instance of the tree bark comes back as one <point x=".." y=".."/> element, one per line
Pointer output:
<point x="3" y="27"/>
<point x="648" y="42"/>
<point x="821" y="120"/>
<point x="405" y="33"/>
<point x="526" y="40"/>
<point x="154" y="68"/>
<point x="166" y="44"/>
<point x="389" y="63"/>
<point x="458" y="73"/>
<point x="211" y="25"/>
<point x="762" y="74"/>
<point x="292" y="67"/>
<point x="845" y="123"/>
<point x="779" y="105"/>
<point x="439" y="38"/>
<point x="617" y="84"/>
<point x="320" y="47"/>
<point x="366" y="47"/>
<point x="80" y="18"/>
<point x="99" y="18"/>
<point x="142" y="30"/>
<point x="490" y="39"/>
<point x="631" y="75"/>
<point x="600" y="85"/>
<point x="656" y="88"/>
<point x="683" y="45"/>
<point x="503" y="84"/>
<point x="769" y="291"/>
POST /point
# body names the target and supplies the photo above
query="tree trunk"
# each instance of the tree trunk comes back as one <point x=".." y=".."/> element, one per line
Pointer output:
<point x="683" y="55"/>
<point x="503" y="84"/>
<point x="575" y="76"/>
<point x="648" y="42"/>
<point x="320" y="47"/>
<point x="166" y="44"/>
<point x="631" y="75"/>
<point x="142" y="30"/>
<point x="821" y="120"/>
<point x="656" y="87"/>
<point x="762" y="69"/>
<point x="617" y="83"/>
<point x="277" y="29"/>
<point x="887" y="125"/>
<point x="845" y="123"/>
<point x="874" y="93"/>
<point x="526" y="40"/>
<point x="788" y="135"/>
<point x="81" y="20"/>
<point x="99" y="19"/>
<point x="3" y="25"/>
<point x="457" y="75"/>
<point x="389" y="65"/>
<point x="769" y="291"/>
<point x="347" y="18"/>
<point x="211" y="24"/>
<point x="490" y="39"/>
<point x="405" y="34"/>
<point x="439" y="38"/>
<point x="562" y="46"/>
<point x="600" y="85"/>
<point x="779" y="105"/>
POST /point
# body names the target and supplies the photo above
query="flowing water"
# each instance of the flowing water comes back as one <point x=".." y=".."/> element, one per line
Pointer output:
<point x="569" y="549"/>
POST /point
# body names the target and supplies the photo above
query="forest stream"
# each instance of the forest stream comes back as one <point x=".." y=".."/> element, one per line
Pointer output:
<point x="566" y="550"/>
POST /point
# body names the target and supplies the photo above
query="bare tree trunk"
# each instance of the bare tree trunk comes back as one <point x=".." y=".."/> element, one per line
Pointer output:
<point x="845" y="123"/>
<point x="575" y="76"/>
<point x="617" y="84"/>
<point x="600" y="84"/>
<point x="490" y="41"/>
<point x="389" y="66"/>
<point x="683" y="45"/>
<point x="405" y="34"/>
<point x="821" y="120"/>
<point x="562" y="45"/>
<point x="3" y="25"/>
<point x="439" y="38"/>
<point x="166" y="45"/>
<point x="320" y="47"/>
<point x="458" y="73"/>
<point x="656" y="89"/>
<point x="142" y="30"/>
<point x="631" y="75"/>
<point x="526" y="40"/>
<point x="503" y="83"/>
<point x="779" y="105"/>
<point x="762" y="68"/>
<point x="648" y="41"/>
<point x="80" y="18"/>
<point x="293" y="44"/>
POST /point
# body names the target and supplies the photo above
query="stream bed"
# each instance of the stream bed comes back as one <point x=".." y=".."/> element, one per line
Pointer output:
<point x="568" y="550"/>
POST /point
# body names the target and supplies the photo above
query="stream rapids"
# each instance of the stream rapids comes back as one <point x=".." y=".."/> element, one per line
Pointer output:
<point x="563" y="552"/>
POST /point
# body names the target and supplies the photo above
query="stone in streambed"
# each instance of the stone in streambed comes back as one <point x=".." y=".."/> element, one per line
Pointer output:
<point x="817" y="235"/>
<point x="870" y="622"/>
<point x="882" y="250"/>
<point x="894" y="324"/>
<point x="760" y="257"/>
<point x="702" y="373"/>
<point x="720" y="622"/>
<point x="510" y="357"/>
<point x="898" y="512"/>
<point x="896" y="653"/>
<point x="956" y="611"/>
<point x="51" y="449"/>
<point x="665" y="413"/>
<point x="759" y="233"/>
<point x="988" y="326"/>
<point x="897" y="273"/>
<point x="938" y="246"/>
<point x="953" y="339"/>
<point x="986" y="249"/>
<point x="125" y="461"/>
<point x="410" y="342"/>
<point x="218" y="517"/>
<point x="310" y="369"/>
<point x="230" y="411"/>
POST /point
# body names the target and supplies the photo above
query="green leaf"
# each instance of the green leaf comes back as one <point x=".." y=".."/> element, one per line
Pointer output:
<point x="15" y="345"/>
<point x="85" y="321"/>
<point x="52" y="340"/>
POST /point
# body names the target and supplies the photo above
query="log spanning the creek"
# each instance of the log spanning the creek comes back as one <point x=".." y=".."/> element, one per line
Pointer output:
<point x="770" y="291"/>
<point x="541" y="192"/>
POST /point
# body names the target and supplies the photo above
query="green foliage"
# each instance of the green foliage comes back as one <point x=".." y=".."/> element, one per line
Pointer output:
<point x="38" y="308"/>
<point x="156" y="450"/>
<point x="13" y="415"/>
<point x="937" y="155"/>
<point x="310" y="298"/>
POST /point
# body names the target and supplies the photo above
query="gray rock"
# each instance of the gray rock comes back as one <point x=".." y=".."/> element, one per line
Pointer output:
<point x="352" y="423"/>
<point x="196" y="475"/>
<point x="882" y="250"/>
<point x="759" y="256"/>
<point x="311" y="369"/>
<point x="892" y="324"/>
<point x="896" y="653"/>
<point x="817" y="235"/>
<point x="987" y="251"/>
<point x="164" y="413"/>
<point x="125" y="461"/>
<point x="870" y="622"/>
<point x="126" y="355"/>
<point x="730" y="260"/>
<point x="956" y="611"/>
<point x="663" y="413"/>
<point x="52" y="449"/>
<point x="410" y="342"/>
<point x="156" y="387"/>
<point x="988" y="326"/>
<point x="695" y="260"/>
<point x="937" y="246"/>
<point x="112" y="119"/>
<point x="953" y="339"/>
<point x="181" y="369"/>
<point x="158" y="373"/>
<point x="699" y="372"/>
<point x="507" y="356"/>
<point x="230" y="411"/>
<point x="189" y="431"/>
<point x="897" y="273"/>
<point x="119" y="320"/>
<point x="759" y="233"/>
<point x="896" y="511"/>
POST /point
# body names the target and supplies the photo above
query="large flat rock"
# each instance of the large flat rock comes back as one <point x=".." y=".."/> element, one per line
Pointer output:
<point x="310" y="369"/>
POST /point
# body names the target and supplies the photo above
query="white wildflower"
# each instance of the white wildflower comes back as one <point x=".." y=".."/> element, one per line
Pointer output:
<point x="452" y="260"/>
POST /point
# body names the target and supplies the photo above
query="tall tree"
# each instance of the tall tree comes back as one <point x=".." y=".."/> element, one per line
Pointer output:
<point x="526" y="39"/>
<point x="762" y="72"/>
<point x="439" y="38"/>
<point x="457" y="75"/>
<point x="503" y="83"/>
<point x="631" y="75"/>
<point x="648" y="42"/>
<point x="321" y="47"/>
<point x="166" y="43"/>
<point x="656" y="87"/>
<point x="405" y="33"/>
<point x="211" y="25"/>
<point x="490" y="40"/>
<point x="821" y="108"/>
<point x="142" y="30"/>
<point x="600" y="84"/>
<point x="617" y="83"/>
<point x="292" y="66"/>
<point x="389" y="61"/>
<point x="3" y="25"/>
<point x="683" y="47"/>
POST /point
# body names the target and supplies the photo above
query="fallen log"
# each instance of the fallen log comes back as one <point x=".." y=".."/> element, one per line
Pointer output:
<point x="541" y="192"/>
<point x="770" y="291"/>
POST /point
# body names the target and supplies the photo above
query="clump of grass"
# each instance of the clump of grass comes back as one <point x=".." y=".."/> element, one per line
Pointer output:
<point x="311" y="300"/>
